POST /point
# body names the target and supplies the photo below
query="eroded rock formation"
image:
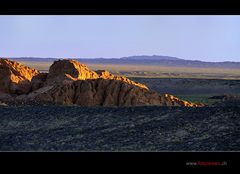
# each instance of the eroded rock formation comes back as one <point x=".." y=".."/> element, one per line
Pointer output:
<point x="69" y="70"/>
<point x="70" y="82"/>
<point x="107" y="75"/>
<point x="15" y="78"/>
<point x="106" y="92"/>
<point x="38" y="81"/>
<point x="64" y="71"/>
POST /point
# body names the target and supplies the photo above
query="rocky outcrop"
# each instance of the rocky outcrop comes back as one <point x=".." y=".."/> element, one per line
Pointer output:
<point x="107" y="75"/>
<point x="63" y="71"/>
<point x="15" y="78"/>
<point x="176" y="101"/>
<point x="106" y="92"/>
<point x="38" y="81"/>
<point x="71" y="83"/>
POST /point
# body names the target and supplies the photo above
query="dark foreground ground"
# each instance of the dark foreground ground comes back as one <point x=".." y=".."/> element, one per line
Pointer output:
<point x="72" y="128"/>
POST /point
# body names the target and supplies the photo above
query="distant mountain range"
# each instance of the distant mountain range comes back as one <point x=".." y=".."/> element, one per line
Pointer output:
<point x="145" y="60"/>
<point x="154" y="57"/>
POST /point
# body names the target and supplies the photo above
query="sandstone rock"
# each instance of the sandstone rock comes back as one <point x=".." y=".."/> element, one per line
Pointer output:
<point x="107" y="75"/>
<point x="176" y="101"/>
<point x="15" y="78"/>
<point x="104" y="74"/>
<point x="65" y="71"/>
<point x="38" y="81"/>
<point x="72" y="83"/>
<point x="106" y="92"/>
<point x="69" y="70"/>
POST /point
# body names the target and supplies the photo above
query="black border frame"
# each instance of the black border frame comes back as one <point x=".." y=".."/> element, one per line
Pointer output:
<point x="136" y="160"/>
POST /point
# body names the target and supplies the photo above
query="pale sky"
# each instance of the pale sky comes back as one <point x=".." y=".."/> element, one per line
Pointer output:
<point x="206" y="38"/>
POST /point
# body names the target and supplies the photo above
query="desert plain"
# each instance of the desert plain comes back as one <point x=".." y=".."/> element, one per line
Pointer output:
<point x="212" y="127"/>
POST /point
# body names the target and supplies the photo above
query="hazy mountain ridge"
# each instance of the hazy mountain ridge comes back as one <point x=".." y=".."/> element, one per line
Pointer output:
<point x="145" y="60"/>
<point x="153" y="57"/>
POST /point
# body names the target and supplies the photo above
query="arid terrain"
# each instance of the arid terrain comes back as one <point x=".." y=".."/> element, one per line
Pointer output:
<point x="152" y="128"/>
<point x="73" y="108"/>
<point x="150" y="71"/>
<point x="195" y="90"/>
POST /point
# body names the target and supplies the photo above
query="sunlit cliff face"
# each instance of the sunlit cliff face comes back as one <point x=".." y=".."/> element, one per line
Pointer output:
<point x="70" y="69"/>
<point x="70" y="82"/>
<point x="107" y="75"/>
<point x="19" y="70"/>
<point x="15" y="77"/>
<point x="74" y="70"/>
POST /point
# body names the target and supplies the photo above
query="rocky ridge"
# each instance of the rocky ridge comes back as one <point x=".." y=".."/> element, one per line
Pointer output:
<point x="15" y="78"/>
<point x="71" y="83"/>
<point x="108" y="92"/>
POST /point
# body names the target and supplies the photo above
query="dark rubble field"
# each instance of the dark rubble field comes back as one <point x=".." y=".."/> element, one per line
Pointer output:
<point x="152" y="128"/>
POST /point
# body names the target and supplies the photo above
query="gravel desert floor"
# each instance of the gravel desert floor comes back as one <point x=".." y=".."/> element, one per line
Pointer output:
<point x="149" y="128"/>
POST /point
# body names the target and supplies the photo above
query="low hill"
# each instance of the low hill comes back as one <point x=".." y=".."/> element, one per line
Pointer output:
<point x="145" y="60"/>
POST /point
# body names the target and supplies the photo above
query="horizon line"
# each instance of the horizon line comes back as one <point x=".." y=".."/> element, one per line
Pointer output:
<point x="113" y="58"/>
